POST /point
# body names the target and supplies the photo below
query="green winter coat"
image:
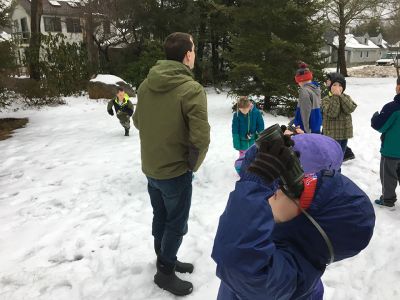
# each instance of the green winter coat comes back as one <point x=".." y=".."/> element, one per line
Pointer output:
<point x="171" y="116"/>
<point x="337" y="121"/>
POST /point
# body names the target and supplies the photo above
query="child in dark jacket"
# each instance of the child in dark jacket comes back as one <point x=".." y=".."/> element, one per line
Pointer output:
<point x="387" y="122"/>
<point x="308" y="113"/>
<point x="267" y="246"/>
<point x="123" y="108"/>
<point x="247" y="123"/>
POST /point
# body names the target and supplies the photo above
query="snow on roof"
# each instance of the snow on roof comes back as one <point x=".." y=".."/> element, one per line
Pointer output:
<point x="352" y="42"/>
<point x="4" y="36"/>
<point x="107" y="79"/>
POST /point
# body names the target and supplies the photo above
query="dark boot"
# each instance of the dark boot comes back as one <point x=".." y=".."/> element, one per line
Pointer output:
<point x="348" y="155"/>
<point x="166" y="279"/>
<point x="182" y="267"/>
<point x="126" y="131"/>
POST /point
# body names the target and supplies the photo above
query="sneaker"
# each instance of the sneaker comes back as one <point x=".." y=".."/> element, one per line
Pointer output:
<point x="382" y="203"/>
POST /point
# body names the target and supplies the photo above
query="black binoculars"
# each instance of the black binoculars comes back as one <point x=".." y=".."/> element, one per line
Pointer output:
<point x="291" y="180"/>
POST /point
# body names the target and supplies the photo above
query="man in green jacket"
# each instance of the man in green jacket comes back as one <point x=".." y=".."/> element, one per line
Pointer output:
<point x="171" y="116"/>
<point x="387" y="122"/>
<point x="123" y="108"/>
<point x="337" y="108"/>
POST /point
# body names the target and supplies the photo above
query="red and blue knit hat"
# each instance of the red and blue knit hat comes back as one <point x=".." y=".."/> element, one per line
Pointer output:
<point x="303" y="73"/>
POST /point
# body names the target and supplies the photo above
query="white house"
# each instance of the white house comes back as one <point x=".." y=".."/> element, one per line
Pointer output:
<point x="58" y="17"/>
<point x="359" y="50"/>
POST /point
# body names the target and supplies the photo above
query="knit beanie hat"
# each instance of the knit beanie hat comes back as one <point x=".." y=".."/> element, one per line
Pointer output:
<point x="303" y="73"/>
<point x="310" y="185"/>
<point x="340" y="79"/>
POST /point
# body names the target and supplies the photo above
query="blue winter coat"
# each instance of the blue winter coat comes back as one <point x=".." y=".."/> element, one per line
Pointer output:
<point x="258" y="259"/>
<point x="242" y="125"/>
<point x="308" y="112"/>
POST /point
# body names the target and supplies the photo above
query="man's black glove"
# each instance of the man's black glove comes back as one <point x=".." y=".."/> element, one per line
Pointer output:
<point x="272" y="160"/>
<point x="111" y="112"/>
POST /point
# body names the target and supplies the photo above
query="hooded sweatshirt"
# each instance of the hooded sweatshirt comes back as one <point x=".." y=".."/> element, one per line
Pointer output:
<point x="258" y="259"/>
<point x="308" y="113"/>
<point x="171" y="116"/>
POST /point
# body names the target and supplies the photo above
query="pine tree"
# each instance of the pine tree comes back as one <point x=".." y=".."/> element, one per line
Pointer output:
<point x="269" y="39"/>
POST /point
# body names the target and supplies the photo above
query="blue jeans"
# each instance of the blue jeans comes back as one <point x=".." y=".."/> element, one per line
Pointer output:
<point x="171" y="200"/>
<point x="343" y="144"/>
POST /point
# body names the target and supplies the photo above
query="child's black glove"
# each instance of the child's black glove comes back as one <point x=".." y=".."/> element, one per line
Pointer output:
<point x="111" y="112"/>
<point x="272" y="160"/>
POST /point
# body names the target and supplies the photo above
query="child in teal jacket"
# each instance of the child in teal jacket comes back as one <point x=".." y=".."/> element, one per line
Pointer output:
<point x="247" y="124"/>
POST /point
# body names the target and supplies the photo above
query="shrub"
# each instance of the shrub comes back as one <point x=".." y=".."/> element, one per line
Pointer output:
<point x="136" y="71"/>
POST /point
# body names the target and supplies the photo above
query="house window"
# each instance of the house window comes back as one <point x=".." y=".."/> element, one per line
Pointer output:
<point x="24" y="25"/>
<point x="367" y="54"/>
<point x="73" y="25"/>
<point x="24" y="29"/>
<point x="361" y="54"/>
<point x="52" y="24"/>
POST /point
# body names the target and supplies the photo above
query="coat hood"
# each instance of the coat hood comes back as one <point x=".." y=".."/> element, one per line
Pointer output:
<point x="344" y="212"/>
<point x="167" y="75"/>
<point x="318" y="152"/>
<point x="313" y="88"/>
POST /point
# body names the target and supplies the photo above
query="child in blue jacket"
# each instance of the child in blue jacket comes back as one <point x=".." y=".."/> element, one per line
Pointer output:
<point x="267" y="247"/>
<point x="247" y="123"/>
<point x="308" y="112"/>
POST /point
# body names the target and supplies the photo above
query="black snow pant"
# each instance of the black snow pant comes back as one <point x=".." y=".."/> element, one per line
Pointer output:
<point x="390" y="176"/>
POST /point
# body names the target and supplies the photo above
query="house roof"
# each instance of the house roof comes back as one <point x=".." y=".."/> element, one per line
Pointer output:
<point x="379" y="41"/>
<point x="57" y="7"/>
<point x="353" y="43"/>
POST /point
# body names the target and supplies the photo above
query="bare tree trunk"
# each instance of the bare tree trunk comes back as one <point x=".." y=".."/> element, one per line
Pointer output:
<point x="93" y="54"/>
<point x="214" y="56"/>
<point x="35" y="39"/>
<point x="342" y="41"/>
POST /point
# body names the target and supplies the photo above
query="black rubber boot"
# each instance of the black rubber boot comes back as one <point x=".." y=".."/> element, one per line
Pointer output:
<point x="182" y="267"/>
<point x="348" y="155"/>
<point x="166" y="279"/>
<point x="126" y="131"/>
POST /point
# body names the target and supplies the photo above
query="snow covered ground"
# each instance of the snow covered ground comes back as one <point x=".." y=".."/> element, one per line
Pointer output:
<point x="75" y="216"/>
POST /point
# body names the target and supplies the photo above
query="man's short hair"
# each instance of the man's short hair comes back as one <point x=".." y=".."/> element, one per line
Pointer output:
<point x="120" y="89"/>
<point x="176" y="46"/>
<point x="398" y="80"/>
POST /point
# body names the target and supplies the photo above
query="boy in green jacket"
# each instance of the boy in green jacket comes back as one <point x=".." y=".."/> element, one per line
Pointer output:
<point x="387" y="122"/>
<point x="123" y="108"/>
<point x="337" y="109"/>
